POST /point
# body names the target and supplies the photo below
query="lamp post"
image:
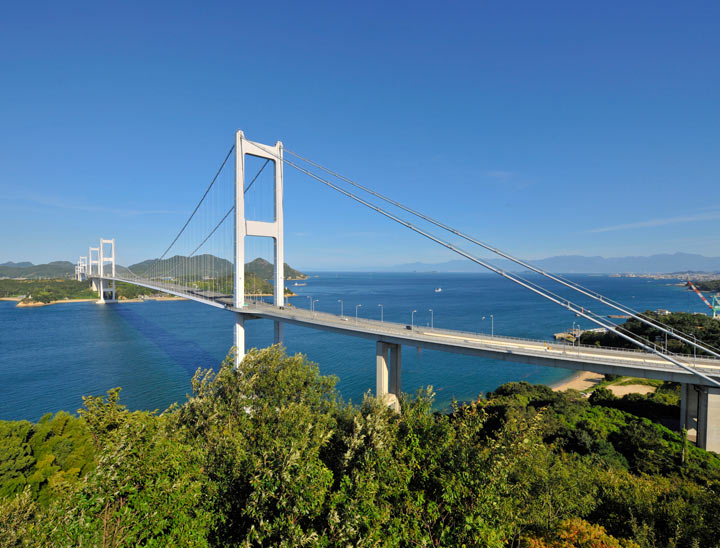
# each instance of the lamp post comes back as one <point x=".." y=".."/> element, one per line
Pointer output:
<point x="310" y="299"/>
<point x="432" y="319"/>
<point x="312" y="307"/>
<point x="492" y="325"/>
<point x="412" y="319"/>
<point x="356" y="312"/>
<point x="381" y="312"/>
<point x="341" y="307"/>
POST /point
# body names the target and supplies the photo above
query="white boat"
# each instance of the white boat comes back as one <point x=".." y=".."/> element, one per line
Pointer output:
<point x="438" y="289"/>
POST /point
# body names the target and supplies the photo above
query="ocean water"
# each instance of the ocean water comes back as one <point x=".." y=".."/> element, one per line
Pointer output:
<point x="51" y="356"/>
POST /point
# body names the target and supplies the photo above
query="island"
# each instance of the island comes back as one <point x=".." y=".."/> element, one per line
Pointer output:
<point x="216" y="275"/>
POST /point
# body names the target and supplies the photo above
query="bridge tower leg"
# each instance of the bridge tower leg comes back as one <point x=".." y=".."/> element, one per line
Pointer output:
<point x="246" y="227"/>
<point x="93" y="272"/>
<point x="389" y="373"/>
<point x="106" y="289"/>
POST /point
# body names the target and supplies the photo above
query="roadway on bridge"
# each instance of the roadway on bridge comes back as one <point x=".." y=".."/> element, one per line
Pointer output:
<point x="643" y="364"/>
<point x="602" y="360"/>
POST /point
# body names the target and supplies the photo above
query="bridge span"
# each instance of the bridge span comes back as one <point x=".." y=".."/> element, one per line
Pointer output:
<point x="185" y="276"/>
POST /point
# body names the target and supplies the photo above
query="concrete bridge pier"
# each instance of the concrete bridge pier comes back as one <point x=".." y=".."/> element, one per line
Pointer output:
<point x="279" y="332"/>
<point x="239" y="338"/>
<point x="700" y="414"/>
<point x="389" y="373"/>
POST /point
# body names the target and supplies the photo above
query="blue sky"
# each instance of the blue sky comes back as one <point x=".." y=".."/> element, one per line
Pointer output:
<point x="546" y="128"/>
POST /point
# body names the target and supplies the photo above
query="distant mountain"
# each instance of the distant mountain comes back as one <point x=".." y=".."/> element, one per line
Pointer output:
<point x="21" y="264"/>
<point x="578" y="264"/>
<point x="180" y="266"/>
<point x="56" y="269"/>
<point x="264" y="270"/>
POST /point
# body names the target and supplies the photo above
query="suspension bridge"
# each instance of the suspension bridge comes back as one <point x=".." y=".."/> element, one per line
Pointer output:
<point x="205" y="263"/>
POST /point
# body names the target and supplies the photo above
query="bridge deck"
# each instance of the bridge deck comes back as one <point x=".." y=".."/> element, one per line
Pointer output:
<point x="538" y="352"/>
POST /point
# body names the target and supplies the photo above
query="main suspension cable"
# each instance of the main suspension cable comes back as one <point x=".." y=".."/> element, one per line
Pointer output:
<point x="677" y="334"/>
<point x="580" y="311"/>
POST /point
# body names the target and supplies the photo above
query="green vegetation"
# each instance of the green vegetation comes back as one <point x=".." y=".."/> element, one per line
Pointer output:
<point x="253" y="285"/>
<point x="57" y="269"/>
<point x="708" y="285"/>
<point x="703" y="327"/>
<point x="40" y="456"/>
<point x="268" y="455"/>
<point x="130" y="291"/>
<point x="209" y="266"/>
<point x="265" y="270"/>
<point x="45" y="291"/>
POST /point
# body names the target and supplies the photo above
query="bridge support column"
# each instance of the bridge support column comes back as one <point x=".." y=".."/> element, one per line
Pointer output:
<point x="239" y="339"/>
<point x="389" y="373"/>
<point x="688" y="408"/>
<point x="279" y="332"/>
<point x="700" y="415"/>
<point x="708" y="430"/>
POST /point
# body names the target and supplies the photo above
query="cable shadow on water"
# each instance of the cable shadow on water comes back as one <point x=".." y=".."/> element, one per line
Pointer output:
<point x="187" y="354"/>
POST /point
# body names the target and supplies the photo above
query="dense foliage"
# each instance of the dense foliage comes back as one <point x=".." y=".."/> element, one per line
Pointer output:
<point x="703" y="328"/>
<point x="265" y="270"/>
<point x="268" y="455"/>
<point x="57" y="269"/>
<point x="254" y="285"/>
<point x="209" y="266"/>
<point x="45" y="291"/>
<point x="708" y="285"/>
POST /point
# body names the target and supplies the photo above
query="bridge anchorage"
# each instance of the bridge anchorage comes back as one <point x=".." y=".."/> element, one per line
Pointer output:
<point x="220" y="283"/>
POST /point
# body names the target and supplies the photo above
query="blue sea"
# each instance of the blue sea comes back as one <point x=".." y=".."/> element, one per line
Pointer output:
<point x="51" y="356"/>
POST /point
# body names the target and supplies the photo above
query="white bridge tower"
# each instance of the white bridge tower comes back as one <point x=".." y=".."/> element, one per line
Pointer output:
<point x="106" y="289"/>
<point x="246" y="227"/>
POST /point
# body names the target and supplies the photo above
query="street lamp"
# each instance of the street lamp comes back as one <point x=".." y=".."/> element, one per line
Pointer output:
<point x="310" y="299"/>
<point x="312" y="307"/>
<point x="356" y="312"/>
<point x="341" y="307"/>
<point x="381" y="312"/>
<point x="412" y="319"/>
<point x="492" y="325"/>
<point x="432" y="320"/>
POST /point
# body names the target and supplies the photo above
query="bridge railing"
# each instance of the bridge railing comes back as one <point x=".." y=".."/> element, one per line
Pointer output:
<point x="615" y="354"/>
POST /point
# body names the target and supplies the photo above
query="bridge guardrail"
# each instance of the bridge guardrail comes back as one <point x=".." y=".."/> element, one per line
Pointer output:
<point x="381" y="328"/>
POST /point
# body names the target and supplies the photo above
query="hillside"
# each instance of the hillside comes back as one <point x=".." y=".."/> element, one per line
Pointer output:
<point x="209" y="266"/>
<point x="22" y="263"/>
<point x="269" y="455"/>
<point x="180" y="266"/>
<point x="264" y="269"/>
<point x="708" y="285"/>
<point x="57" y="269"/>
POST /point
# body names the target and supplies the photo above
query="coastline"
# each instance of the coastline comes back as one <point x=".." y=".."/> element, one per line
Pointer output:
<point x="63" y="301"/>
<point x="582" y="380"/>
<point x="20" y="304"/>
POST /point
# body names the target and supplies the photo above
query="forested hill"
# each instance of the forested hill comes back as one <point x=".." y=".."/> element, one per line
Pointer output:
<point x="708" y="285"/>
<point x="700" y="326"/>
<point x="263" y="269"/>
<point x="208" y="266"/>
<point x="267" y="454"/>
<point x="180" y="266"/>
<point x="57" y="269"/>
